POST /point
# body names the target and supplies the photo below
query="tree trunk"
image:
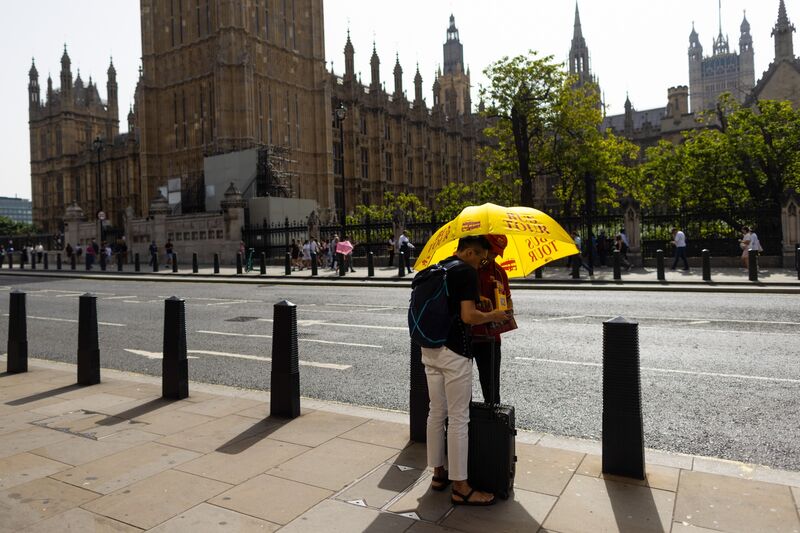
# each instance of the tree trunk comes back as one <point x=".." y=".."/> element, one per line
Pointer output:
<point x="519" y="126"/>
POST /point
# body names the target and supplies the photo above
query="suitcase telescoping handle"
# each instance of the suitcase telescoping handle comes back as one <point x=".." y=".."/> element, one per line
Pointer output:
<point x="494" y="393"/>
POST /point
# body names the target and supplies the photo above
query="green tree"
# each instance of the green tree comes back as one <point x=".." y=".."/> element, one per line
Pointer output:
<point x="10" y="228"/>
<point x="456" y="196"/>
<point x="406" y="202"/>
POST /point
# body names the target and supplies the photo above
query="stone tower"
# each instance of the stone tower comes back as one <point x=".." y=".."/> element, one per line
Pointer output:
<point x="227" y="75"/>
<point x="782" y="32"/>
<point x="579" y="64"/>
<point x="452" y="88"/>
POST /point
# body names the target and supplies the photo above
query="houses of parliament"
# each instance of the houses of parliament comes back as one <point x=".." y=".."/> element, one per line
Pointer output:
<point x="220" y="76"/>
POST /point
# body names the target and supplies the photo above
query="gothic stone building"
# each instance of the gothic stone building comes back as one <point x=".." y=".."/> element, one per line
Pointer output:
<point x="393" y="143"/>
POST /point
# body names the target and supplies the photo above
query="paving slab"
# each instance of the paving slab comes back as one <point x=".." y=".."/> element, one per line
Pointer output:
<point x="80" y="521"/>
<point x="271" y="498"/>
<point x="334" y="464"/>
<point x="796" y="492"/>
<point x="172" y="421"/>
<point x="217" y="433"/>
<point x="80" y="450"/>
<point x="545" y="470"/>
<point x="206" y="517"/>
<point x="657" y="477"/>
<point x="427" y="527"/>
<point x="27" y="439"/>
<point x="124" y="468"/>
<point x="610" y="506"/>
<point x="414" y="455"/>
<point x="24" y="467"/>
<point x="220" y="406"/>
<point x="243" y="460"/>
<point x="154" y="500"/>
<point x="427" y="504"/>
<point x="91" y="402"/>
<point x="88" y="424"/>
<point x="734" y="505"/>
<point x="315" y="428"/>
<point x="682" y="527"/>
<point x="337" y="517"/>
<point x="388" y="434"/>
<point x="38" y="500"/>
<point x="381" y="486"/>
<point x="523" y="511"/>
<point x="17" y="420"/>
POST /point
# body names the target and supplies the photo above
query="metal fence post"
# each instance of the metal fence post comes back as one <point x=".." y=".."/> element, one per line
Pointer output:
<point x="285" y="375"/>
<point x="58" y="261"/>
<point x="706" y="264"/>
<point x="17" y="348"/>
<point x="175" y="364"/>
<point x="418" y="403"/>
<point x="174" y="262"/>
<point x="238" y="263"/>
<point x="370" y="265"/>
<point x="287" y="264"/>
<point x="137" y="265"/>
<point x="660" y="265"/>
<point x="753" y="264"/>
<point x="617" y="265"/>
<point x="216" y="263"/>
<point x="88" y="344"/>
<point x="623" y="434"/>
<point x="195" y="266"/>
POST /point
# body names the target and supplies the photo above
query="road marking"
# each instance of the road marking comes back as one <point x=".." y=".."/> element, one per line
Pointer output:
<point x="363" y="305"/>
<point x="119" y="297"/>
<point x="325" y="323"/>
<point x="330" y="366"/>
<point x="229" y="302"/>
<point x="300" y="340"/>
<point x="51" y="319"/>
<point x="131" y="302"/>
<point x="696" y="322"/>
<point x="561" y="318"/>
<point x="685" y="318"/>
<point x="151" y="355"/>
<point x="664" y="370"/>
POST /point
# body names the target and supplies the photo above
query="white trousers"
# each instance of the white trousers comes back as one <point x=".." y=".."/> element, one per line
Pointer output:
<point x="450" y="390"/>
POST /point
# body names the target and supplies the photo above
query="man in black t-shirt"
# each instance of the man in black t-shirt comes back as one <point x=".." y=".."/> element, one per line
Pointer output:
<point x="449" y="374"/>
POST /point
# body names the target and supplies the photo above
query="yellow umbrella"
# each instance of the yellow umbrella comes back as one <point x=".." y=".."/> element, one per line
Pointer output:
<point x="534" y="238"/>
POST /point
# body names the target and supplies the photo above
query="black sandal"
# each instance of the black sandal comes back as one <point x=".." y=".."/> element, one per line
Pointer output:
<point x="465" y="500"/>
<point x="442" y="481"/>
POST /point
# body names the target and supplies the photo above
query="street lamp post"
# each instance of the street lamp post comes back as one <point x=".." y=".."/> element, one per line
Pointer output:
<point x="341" y="114"/>
<point x="98" y="147"/>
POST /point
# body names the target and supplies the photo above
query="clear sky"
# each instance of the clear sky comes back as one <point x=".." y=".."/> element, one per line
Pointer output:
<point x="637" y="46"/>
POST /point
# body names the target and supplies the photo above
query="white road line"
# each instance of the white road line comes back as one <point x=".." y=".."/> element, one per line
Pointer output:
<point x="696" y="322"/>
<point x="229" y="302"/>
<point x="51" y="319"/>
<point x="330" y="366"/>
<point x="363" y="305"/>
<point x="119" y="297"/>
<point x="710" y="319"/>
<point x="731" y="331"/>
<point x="665" y="370"/>
<point x="151" y="355"/>
<point x="131" y="302"/>
<point x="324" y="323"/>
<point x="561" y="318"/>
<point x="300" y="340"/>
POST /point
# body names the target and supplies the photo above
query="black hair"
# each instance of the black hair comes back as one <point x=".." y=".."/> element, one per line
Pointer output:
<point x="473" y="241"/>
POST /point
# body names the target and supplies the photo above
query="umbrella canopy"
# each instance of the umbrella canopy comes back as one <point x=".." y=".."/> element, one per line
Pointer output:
<point x="344" y="247"/>
<point x="534" y="238"/>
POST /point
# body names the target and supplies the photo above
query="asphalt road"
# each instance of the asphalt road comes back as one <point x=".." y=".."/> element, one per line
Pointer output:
<point x="720" y="372"/>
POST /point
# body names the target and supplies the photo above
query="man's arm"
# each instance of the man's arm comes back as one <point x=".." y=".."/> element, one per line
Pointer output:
<point x="470" y="314"/>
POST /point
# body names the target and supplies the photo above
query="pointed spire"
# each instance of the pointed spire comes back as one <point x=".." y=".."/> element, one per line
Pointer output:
<point x="398" y="77"/>
<point x="578" y="31"/>
<point x="720" y="18"/>
<point x="65" y="61"/>
<point x="375" y="67"/>
<point x="112" y="72"/>
<point x="782" y="32"/>
<point x="783" y="18"/>
<point x="33" y="73"/>
<point x="745" y="27"/>
<point x="417" y="87"/>
<point x="349" y="62"/>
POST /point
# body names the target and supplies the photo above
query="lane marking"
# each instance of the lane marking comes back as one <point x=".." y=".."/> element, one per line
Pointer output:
<point x="254" y="335"/>
<point x="665" y="370"/>
<point x="561" y="318"/>
<point x="325" y="323"/>
<point x="229" y="302"/>
<point x="118" y="297"/>
<point x="364" y="305"/>
<point x="696" y="322"/>
<point x="72" y="320"/>
<point x="131" y="302"/>
<point x="685" y="318"/>
<point x="151" y="355"/>
<point x="329" y="366"/>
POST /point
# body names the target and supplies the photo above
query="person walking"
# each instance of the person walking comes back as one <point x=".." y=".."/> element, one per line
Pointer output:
<point x="390" y="246"/>
<point x="679" y="241"/>
<point x="749" y="241"/>
<point x="91" y="254"/>
<point x="332" y="248"/>
<point x="405" y="249"/>
<point x="168" y="250"/>
<point x="153" y="249"/>
<point x="448" y="370"/>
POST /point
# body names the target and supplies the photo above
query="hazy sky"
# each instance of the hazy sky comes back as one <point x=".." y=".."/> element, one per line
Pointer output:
<point x="637" y="46"/>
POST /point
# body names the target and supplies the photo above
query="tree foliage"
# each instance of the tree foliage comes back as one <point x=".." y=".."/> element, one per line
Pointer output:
<point x="456" y="196"/>
<point x="408" y="203"/>
<point x="10" y="228"/>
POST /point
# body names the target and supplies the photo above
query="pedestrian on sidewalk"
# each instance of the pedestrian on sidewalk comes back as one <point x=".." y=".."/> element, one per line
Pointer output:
<point x="619" y="244"/>
<point x="332" y="248"/>
<point x="390" y="246"/>
<point x="91" y="254"/>
<point x="294" y="249"/>
<point x="749" y="241"/>
<point x="448" y="370"/>
<point x="153" y="249"/>
<point x="168" y="249"/>
<point x="405" y="249"/>
<point x="306" y="254"/>
<point x="576" y="236"/>
<point x="679" y="241"/>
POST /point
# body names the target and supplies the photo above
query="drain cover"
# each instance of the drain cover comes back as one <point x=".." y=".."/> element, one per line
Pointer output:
<point x="242" y="319"/>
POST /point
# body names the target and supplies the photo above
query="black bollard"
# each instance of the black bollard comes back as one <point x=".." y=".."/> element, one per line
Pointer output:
<point x="137" y="266"/>
<point x="576" y="266"/>
<point x="753" y="264"/>
<point x="401" y="264"/>
<point x="195" y="267"/>
<point x="175" y="364"/>
<point x="73" y="262"/>
<point x="10" y="260"/>
<point x="706" y="265"/>
<point x="155" y="262"/>
<point x="314" y="270"/>
<point x="418" y="402"/>
<point x="216" y="263"/>
<point x="17" y="361"/>
<point x="285" y="377"/>
<point x="263" y="264"/>
<point x="103" y="261"/>
<point x="33" y="261"/>
<point x="623" y="434"/>
<point x="660" y="265"/>
<point x="58" y="261"/>
<point x="174" y="262"/>
<point x="287" y="264"/>
<point x="797" y="261"/>
<point x="46" y="261"/>
<point x="617" y="265"/>
<point x="537" y="274"/>
<point x="370" y="265"/>
<point x="88" y="344"/>
<point x="119" y="262"/>
<point x="238" y="263"/>
<point x="342" y="265"/>
<point x="22" y="261"/>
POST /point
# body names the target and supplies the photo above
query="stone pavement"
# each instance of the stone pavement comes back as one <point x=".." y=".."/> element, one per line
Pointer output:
<point x="115" y="457"/>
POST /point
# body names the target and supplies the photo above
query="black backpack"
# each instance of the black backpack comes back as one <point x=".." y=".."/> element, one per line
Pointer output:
<point x="429" y="317"/>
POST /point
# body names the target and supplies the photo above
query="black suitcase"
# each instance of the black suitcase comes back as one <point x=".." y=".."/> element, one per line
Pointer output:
<point x="492" y="447"/>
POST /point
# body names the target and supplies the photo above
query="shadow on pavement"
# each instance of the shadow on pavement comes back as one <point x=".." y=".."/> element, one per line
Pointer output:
<point x="135" y="412"/>
<point x="42" y="395"/>
<point x="634" y="507"/>
<point x="252" y="435"/>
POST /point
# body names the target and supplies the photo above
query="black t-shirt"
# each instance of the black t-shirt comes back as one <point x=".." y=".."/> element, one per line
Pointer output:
<point x="462" y="284"/>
